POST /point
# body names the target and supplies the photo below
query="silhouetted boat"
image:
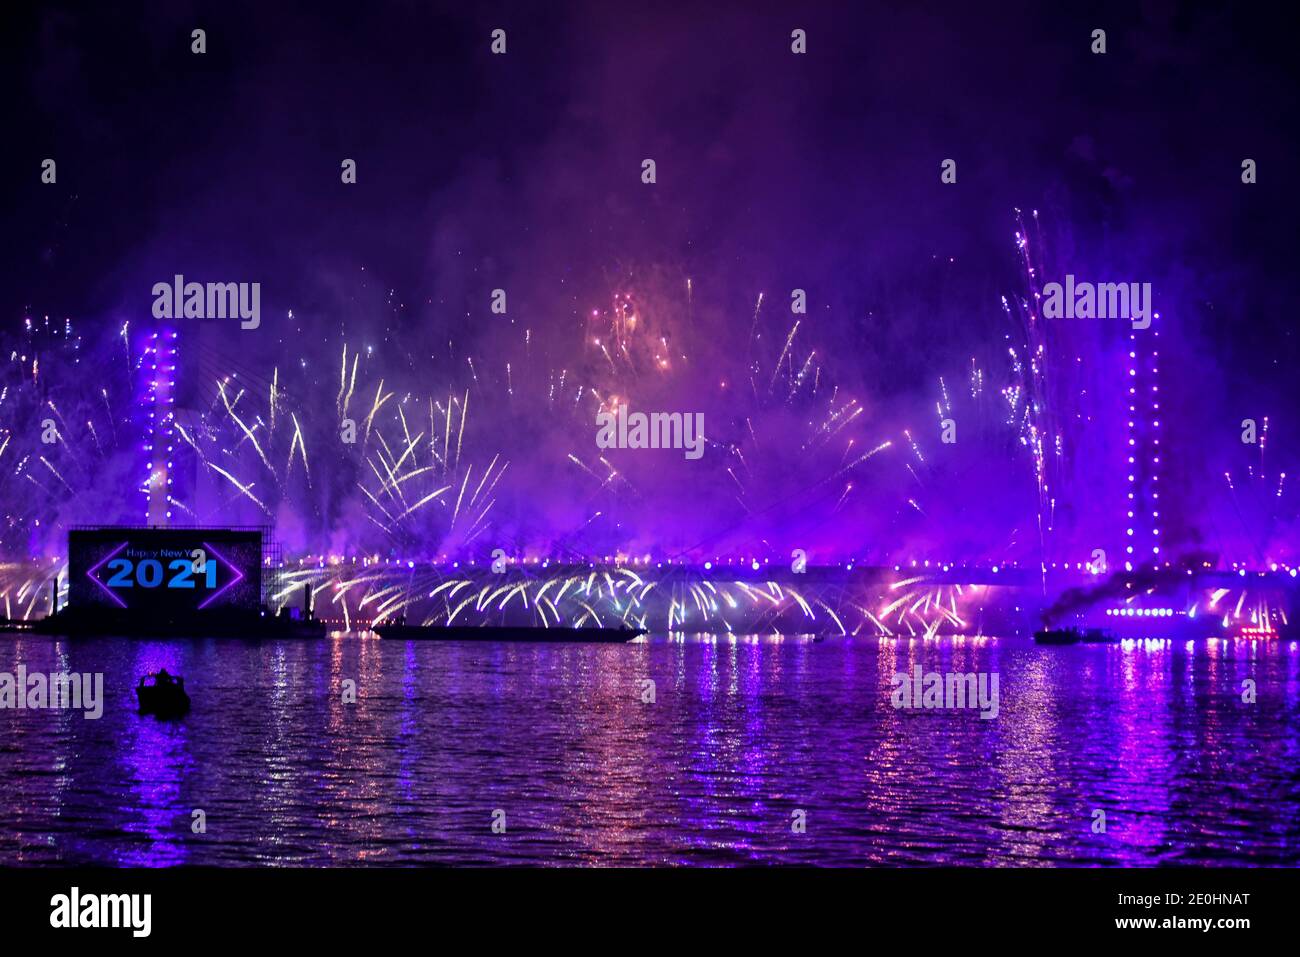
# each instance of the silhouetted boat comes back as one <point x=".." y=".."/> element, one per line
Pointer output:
<point x="401" y="631"/>
<point x="103" y="621"/>
<point x="73" y="622"/>
<point x="1073" y="636"/>
<point x="165" y="697"/>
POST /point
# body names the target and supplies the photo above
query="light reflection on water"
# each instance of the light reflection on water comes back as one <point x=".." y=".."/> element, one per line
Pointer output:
<point x="742" y="733"/>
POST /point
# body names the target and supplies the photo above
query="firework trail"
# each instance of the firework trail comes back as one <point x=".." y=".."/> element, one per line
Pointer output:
<point x="64" y="451"/>
<point x="355" y="595"/>
<point x="387" y="445"/>
<point x="1262" y="517"/>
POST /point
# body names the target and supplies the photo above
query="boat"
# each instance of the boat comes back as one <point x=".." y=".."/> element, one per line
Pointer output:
<point x="1268" y="631"/>
<point x="162" y="695"/>
<point x="1073" y="635"/>
<point x="74" y="622"/>
<point x="400" y="631"/>
<point x="106" y="622"/>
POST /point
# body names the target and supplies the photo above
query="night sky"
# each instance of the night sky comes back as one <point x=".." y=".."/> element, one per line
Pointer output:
<point x="775" y="171"/>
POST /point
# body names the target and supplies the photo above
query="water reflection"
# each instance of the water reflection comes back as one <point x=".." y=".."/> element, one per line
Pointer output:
<point x="743" y="732"/>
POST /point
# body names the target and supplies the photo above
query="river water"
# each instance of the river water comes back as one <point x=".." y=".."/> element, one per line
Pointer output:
<point x="752" y="750"/>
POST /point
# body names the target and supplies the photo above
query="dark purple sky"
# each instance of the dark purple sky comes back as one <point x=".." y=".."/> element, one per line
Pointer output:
<point x="821" y="168"/>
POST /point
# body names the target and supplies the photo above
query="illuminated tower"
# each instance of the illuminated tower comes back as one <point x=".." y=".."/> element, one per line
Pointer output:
<point x="159" y="367"/>
<point x="1143" y="450"/>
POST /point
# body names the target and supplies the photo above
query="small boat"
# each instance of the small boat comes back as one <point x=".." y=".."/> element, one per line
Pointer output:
<point x="1057" y="636"/>
<point x="162" y="695"/>
<point x="1073" y="636"/>
<point x="400" y="631"/>
<point x="1269" y="631"/>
